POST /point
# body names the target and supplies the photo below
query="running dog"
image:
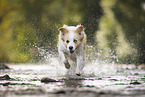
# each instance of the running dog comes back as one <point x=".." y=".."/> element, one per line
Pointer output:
<point x="72" y="48"/>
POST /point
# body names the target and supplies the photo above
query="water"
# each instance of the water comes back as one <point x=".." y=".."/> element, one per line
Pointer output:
<point x="98" y="80"/>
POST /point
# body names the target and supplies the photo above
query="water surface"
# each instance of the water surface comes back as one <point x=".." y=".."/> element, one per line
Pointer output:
<point x="103" y="80"/>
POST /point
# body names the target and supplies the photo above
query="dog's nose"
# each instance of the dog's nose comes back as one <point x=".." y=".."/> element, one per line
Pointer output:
<point x="71" y="47"/>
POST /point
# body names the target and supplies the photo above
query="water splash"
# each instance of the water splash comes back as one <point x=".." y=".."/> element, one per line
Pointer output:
<point x="95" y="65"/>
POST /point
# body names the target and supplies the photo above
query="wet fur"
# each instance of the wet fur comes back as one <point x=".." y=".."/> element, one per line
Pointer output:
<point x="68" y="36"/>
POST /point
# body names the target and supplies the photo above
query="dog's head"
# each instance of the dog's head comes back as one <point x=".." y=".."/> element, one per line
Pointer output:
<point x="72" y="36"/>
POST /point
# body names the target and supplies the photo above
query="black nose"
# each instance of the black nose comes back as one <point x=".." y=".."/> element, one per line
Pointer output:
<point x="71" y="47"/>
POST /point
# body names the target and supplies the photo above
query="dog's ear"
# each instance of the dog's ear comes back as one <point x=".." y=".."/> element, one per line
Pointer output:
<point x="63" y="30"/>
<point x="80" y="30"/>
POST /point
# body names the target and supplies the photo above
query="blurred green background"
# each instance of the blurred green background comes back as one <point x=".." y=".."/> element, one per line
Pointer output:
<point x="115" y="28"/>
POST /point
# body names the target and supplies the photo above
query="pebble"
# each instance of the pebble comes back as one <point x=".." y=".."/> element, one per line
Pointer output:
<point x="47" y="80"/>
<point x="135" y="83"/>
<point x="60" y="92"/>
<point x="3" y="66"/>
<point x="5" y="77"/>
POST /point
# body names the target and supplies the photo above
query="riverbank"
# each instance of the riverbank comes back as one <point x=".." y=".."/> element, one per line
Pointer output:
<point x="26" y="81"/>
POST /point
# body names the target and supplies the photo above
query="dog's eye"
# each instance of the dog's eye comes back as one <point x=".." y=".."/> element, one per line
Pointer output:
<point x="67" y="41"/>
<point x="75" y="41"/>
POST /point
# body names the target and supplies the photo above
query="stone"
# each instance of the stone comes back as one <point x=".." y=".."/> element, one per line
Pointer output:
<point x="3" y="66"/>
<point x="47" y="80"/>
<point x="135" y="83"/>
<point x="60" y="92"/>
<point x="5" y="77"/>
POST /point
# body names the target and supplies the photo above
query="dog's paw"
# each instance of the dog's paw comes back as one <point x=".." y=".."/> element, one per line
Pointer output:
<point x="67" y="65"/>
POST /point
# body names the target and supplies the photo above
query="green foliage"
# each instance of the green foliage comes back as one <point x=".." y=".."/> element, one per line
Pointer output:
<point x="131" y="16"/>
<point x="26" y="25"/>
<point x="120" y="30"/>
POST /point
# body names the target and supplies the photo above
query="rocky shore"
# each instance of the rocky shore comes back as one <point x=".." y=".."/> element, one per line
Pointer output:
<point x="38" y="83"/>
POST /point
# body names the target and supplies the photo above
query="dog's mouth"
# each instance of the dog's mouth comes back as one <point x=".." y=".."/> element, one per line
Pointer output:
<point x="71" y="51"/>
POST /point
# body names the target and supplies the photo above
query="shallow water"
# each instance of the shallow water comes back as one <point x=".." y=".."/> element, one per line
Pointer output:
<point x="103" y="80"/>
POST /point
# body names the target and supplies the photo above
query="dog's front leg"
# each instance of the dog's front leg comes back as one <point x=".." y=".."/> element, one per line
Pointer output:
<point x="65" y="61"/>
<point x="80" y="65"/>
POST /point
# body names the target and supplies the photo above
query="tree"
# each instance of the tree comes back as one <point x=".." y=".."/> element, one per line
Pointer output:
<point x="111" y="37"/>
<point x="91" y="17"/>
<point x="131" y="16"/>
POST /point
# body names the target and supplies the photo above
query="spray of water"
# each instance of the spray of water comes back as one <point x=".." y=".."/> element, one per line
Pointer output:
<point x="94" y="64"/>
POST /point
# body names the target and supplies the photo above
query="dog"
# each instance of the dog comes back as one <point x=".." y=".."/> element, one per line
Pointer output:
<point x="72" y="48"/>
